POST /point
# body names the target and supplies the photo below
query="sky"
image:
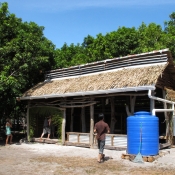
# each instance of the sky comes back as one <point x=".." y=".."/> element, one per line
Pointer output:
<point x="70" y="21"/>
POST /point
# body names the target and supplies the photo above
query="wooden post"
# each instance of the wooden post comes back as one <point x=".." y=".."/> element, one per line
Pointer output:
<point x="72" y="120"/>
<point x="28" y="124"/>
<point x="103" y="104"/>
<point x="165" y="104"/>
<point x="78" y="138"/>
<point x="83" y="119"/>
<point x="112" y="140"/>
<point x="132" y="106"/>
<point x="63" y="126"/>
<point x="169" y="129"/>
<point x="152" y="102"/>
<point x="113" y="119"/>
<point x="169" y="120"/>
<point x="165" y="114"/>
<point x="132" y="102"/>
<point x="91" y="125"/>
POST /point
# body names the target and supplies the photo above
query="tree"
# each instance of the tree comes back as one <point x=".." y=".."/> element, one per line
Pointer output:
<point x="151" y="38"/>
<point x="169" y="30"/>
<point x="122" y="42"/>
<point x="25" y="54"/>
<point x="70" y="56"/>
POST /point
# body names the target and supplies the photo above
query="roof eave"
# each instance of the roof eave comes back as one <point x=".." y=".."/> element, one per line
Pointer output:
<point x="109" y="91"/>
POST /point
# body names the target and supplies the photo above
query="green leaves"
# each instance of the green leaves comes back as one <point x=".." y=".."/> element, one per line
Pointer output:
<point x="24" y="52"/>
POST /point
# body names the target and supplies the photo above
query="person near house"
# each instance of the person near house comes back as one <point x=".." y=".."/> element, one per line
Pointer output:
<point x="101" y="128"/>
<point x="46" y="127"/>
<point x="8" y="127"/>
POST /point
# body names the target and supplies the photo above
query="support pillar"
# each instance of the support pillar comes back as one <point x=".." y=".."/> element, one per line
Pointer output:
<point x="63" y="127"/>
<point x="91" y="139"/>
<point x="72" y="120"/>
<point x="113" y="119"/>
<point x="83" y="119"/>
<point x="152" y="102"/>
<point x="28" y="123"/>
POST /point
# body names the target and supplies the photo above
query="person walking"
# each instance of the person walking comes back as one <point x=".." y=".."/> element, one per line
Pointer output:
<point x="8" y="127"/>
<point x="46" y="127"/>
<point x="101" y="128"/>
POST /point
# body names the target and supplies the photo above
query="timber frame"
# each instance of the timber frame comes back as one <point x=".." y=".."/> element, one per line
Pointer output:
<point x="118" y="87"/>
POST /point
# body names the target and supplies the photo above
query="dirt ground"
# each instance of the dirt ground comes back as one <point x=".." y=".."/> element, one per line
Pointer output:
<point x="54" y="159"/>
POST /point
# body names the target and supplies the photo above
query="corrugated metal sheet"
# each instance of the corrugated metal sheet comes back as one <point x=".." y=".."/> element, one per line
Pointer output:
<point x="119" y="141"/>
<point x="73" y="138"/>
<point x="84" y="139"/>
<point x="133" y="60"/>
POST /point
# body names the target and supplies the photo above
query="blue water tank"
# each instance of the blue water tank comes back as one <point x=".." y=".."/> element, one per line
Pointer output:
<point x="143" y="134"/>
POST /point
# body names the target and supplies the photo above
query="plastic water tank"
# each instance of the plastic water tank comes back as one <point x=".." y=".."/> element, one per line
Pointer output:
<point x="143" y="134"/>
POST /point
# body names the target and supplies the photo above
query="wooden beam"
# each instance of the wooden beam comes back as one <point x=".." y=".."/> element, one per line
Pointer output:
<point x="28" y="122"/>
<point x="132" y="106"/>
<point x="113" y="119"/>
<point x="152" y="102"/>
<point x="132" y="103"/>
<point x="83" y="122"/>
<point x="112" y="95"/>
<point x="72" y="120"/>
<point x="63" y="127"/>
<point x="164" y="145"/>
<point x="76" y="106"/>
<point x="91" y="125"/>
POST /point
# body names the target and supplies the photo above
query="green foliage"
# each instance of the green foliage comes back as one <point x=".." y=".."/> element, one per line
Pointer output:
<point x="25" y="54"/>
<point x="31" y="131"/>
<point x="150" y="38"/>
<point x="70" y="56"/>
<point x="57" y="121"/>
<point x="169" y="38"/>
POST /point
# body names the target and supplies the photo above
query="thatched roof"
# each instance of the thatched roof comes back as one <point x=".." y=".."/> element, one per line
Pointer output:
<point x="127" y="78"/>
<point x="170" y="94"/>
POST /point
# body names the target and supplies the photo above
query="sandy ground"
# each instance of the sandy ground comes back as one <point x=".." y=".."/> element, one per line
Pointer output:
<point x="53" y="159"/>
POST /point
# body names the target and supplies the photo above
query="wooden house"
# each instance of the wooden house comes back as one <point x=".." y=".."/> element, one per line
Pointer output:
<point x="117" y="87"/>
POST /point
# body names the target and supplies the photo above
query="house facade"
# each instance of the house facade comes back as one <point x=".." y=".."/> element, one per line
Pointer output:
<point x="117" y="87"/>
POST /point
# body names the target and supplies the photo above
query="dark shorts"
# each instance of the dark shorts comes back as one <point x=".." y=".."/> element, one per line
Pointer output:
<point x="46" y="130"/>
<point x="101" y="145"/>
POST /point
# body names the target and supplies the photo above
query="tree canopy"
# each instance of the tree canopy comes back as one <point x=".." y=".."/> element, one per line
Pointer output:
<point x="122" y="42"/>
<point x="24" y="56"/>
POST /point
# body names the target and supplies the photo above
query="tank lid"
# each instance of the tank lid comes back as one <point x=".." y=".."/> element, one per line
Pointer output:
<point x="142" y="113"/>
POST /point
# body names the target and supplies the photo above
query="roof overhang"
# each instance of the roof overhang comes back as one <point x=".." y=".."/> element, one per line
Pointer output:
<point x="109" y="91"/>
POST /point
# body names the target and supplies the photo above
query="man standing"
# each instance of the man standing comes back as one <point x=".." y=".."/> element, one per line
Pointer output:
<point x="101" y="128"/>
<point x="46" y="127"/>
